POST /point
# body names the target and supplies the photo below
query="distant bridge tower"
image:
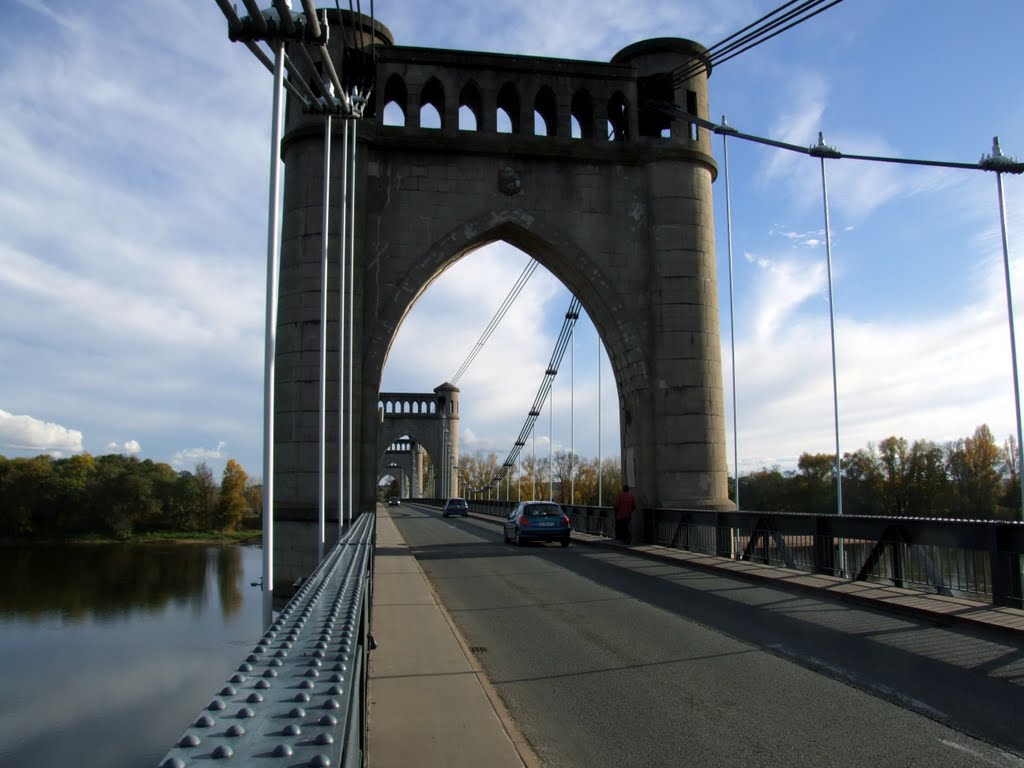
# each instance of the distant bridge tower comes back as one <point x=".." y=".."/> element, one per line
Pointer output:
<point x="431" y="421"/>
<point x="405" y="456"/>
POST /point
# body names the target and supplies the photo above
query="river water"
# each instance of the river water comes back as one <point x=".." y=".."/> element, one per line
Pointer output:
<point x="108" y="651"/>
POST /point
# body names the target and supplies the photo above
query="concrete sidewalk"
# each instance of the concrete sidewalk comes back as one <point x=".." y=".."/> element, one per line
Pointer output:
<point x="429" y="704"/>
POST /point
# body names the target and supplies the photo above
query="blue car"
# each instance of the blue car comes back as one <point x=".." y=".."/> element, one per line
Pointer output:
<point x="537" y="521"/>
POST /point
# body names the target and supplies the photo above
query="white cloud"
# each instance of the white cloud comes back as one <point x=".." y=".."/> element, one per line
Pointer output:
<point x="190" y="456"/>
<point x="130" y="447"/>
<point x="783" y="285"/>
<point x="936" y="376"/>
<point x="25" y="433"/>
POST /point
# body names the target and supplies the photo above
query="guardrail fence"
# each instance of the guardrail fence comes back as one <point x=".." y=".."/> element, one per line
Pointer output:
<point x="299" y="698"/>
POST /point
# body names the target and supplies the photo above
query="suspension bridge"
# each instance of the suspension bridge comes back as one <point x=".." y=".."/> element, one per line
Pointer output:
<point x="723" y="634"/>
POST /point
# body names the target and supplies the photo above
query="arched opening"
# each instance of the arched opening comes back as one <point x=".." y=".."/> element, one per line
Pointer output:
<point x="470" y="108"/>
<point x="654" y="123"/>
<point x="396" y="100"/>
<point x="432" y="105"/>
<point x="459" y="301"/>
<point x="545" y="113"/>
<point x="508" y="109"/>
<point x="618" y="117"/>
<point x="582" y="115"/>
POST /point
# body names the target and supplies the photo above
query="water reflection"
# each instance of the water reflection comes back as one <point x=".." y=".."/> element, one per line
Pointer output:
<point x="102" y="581"/>
<point x="108" y="651"/>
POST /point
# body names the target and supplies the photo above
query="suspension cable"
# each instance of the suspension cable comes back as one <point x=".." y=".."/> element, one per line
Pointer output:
<point x="1004" y="164"/>
<point x="738" y="42"/>
<point x="564" y="337"/>
<point x="498" y="316"/>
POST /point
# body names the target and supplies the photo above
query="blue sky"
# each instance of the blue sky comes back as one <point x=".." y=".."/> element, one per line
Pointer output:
<point x="133" y="174"/>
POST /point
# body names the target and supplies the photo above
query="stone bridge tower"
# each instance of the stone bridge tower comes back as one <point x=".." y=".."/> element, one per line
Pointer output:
<point x="432" y="421"/>
<point x="559" y="158"/>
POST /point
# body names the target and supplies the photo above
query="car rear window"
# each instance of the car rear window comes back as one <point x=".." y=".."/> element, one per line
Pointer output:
<point x="535" y="510"/>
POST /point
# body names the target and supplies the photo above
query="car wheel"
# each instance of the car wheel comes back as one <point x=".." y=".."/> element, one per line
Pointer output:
<point x="565" y="542"/>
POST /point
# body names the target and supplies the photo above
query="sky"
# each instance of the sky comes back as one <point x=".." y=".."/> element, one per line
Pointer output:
<point x="134" y="142"/>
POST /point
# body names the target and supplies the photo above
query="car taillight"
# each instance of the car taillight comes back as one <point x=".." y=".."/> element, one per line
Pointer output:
<point x="565" y="520"/>
<point x="524" y="520"/>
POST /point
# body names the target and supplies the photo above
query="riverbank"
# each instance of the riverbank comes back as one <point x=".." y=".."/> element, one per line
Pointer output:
<point x="150" y="537"/>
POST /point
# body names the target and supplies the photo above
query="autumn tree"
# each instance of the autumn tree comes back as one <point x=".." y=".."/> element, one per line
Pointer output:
<point x="477" y="470"/>
<point x="231" y="503"/>
<point x="562" y="468"/>
<point x="611" y="480"/>
<point x="585" y="482"/>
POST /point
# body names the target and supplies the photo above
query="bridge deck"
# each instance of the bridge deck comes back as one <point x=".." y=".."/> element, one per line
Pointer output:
<point x="431" y="706"/>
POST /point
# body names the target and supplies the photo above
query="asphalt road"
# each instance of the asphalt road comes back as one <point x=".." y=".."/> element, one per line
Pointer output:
<point x="603" y="658"/>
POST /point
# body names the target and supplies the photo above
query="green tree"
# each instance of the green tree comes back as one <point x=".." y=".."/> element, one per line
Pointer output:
<point x="254" y="497"/>
<point x="28" y="490"/>
<point x="231" y="503"/>
<point x="929" y="484"/>
<point x="184" y="507"/>
<point x="73" y="479"/>
<point x="973" y="465"/>
<point x="207" y="496"/>
<point x="1009" y="461"/>
<point x="815" y="484"/>
<point x="894" y="463"/>
<point x="122" y="495"/>
<point x="862" y="481"/>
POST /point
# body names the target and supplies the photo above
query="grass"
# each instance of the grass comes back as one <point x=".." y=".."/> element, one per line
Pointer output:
<point x="156" y="537"/>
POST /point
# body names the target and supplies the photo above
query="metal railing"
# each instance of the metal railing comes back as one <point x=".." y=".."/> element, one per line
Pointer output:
<point x="975" y="559"/>
<point x="299" y="698"/>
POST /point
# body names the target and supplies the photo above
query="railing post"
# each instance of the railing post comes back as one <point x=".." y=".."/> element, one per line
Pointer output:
<point x="1005" y="566"/>
<point x="898" y="548"/>
<point x="723" y="535"/>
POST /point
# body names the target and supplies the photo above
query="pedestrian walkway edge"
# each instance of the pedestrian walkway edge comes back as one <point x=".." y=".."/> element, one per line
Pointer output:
<point x="430" y="703"/>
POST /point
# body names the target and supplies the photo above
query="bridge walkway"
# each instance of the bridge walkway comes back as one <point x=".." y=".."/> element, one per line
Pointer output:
<point x="431" y="706"/>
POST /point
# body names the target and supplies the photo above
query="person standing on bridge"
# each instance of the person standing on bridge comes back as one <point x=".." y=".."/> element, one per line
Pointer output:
<point x="624" y="505"/>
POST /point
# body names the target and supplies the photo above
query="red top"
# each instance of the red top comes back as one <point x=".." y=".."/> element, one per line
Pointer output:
<point x="624" y="505"/>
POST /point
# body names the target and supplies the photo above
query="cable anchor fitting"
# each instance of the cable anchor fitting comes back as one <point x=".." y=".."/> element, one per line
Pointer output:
<point x="724" y="127"/>
<point x="821" y="149"/>
<point x="999" y="162"/>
